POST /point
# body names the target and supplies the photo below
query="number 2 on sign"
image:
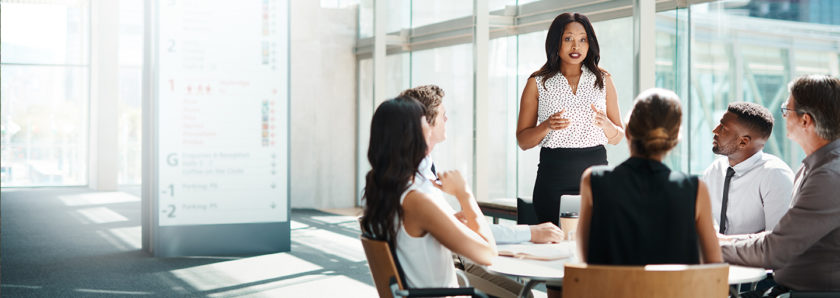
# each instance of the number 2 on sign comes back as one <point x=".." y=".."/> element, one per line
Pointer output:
<point x="171" y="211"/>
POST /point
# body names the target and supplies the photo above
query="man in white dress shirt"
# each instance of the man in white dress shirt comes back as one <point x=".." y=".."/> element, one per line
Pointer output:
<point x="431" y="96"/>
<point x="759" y="190"/>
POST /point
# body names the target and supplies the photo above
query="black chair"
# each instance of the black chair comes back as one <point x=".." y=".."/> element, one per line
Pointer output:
<point x="525" y="213"/>
<point x="797" y="294"/>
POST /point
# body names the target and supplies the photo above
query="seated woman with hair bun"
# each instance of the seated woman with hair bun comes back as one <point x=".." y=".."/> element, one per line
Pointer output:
<point x="641" y="212"/>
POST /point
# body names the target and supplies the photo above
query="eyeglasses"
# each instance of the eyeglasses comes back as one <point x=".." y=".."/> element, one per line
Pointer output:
<point x="785" y="110"/>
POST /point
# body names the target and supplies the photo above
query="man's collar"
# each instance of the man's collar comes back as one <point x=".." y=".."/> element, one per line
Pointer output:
<point x="818" y="157"/>
<point x="748" y="163"/>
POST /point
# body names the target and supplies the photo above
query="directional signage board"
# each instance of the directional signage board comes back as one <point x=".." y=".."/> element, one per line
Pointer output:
<point x="221" y="116"/>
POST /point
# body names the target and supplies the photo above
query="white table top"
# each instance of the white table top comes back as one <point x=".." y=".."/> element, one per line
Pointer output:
<point x="742" y="275"/>
<point x="534" y="269"/>
<point x="553" y="270"/>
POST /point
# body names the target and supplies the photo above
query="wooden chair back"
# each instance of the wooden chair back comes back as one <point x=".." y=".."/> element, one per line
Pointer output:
<point x="382" y="265"/>
<point x="710" y="280"/>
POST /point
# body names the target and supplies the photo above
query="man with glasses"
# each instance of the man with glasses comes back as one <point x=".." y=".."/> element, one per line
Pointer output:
<point x="804" y="248"/>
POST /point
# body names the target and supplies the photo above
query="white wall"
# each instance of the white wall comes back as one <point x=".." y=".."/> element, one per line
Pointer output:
<point x="323" y="106"/>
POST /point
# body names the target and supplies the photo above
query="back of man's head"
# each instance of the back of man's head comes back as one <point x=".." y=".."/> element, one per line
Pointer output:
<point x="756" y="118"/>
<point x="430" y="95"/>
<point x="819" y="96"/>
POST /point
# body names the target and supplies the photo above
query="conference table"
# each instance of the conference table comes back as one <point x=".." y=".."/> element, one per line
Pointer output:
<point x="534" y="272"/>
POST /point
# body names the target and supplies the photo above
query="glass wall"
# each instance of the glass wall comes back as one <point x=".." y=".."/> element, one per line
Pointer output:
<point x="130" y="80"/>
<point x="44" y="78"/>
<point x="531" y="54"/>
<point x="745" y="51"/>
<point x="501" y="98"/>
<point x="434" y="11"/>
<point x="450" y="68"/>
<point x="365" y="106"/>
<point x="710" y="54"/>
<point x="671" y="72"/>
<point x="398" y="14"/>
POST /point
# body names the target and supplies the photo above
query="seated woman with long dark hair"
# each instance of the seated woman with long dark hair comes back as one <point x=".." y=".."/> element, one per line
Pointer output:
<point x="420" y="226"/>
<point x="640" y="212"/>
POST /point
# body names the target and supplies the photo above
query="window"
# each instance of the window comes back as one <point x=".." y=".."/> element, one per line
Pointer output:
<point x="725" y="51"/>
<point x="434" y="11"/>
<point x="44" y="91"/>
<point x="398" y="13"/>
<point x="366" y="108"/>
<point x="750" y="52"/>
<point x="130" y="80"/>
<point x="450" y="68"/>
<point x="502" y="103"/>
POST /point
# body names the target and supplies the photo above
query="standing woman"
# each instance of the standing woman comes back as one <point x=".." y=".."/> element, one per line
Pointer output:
<point x="570" y="108"/>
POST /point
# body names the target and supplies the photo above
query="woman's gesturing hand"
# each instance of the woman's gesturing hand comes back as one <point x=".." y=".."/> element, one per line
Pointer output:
<point x="557" y="122"/>
<point x="602" y="121"/>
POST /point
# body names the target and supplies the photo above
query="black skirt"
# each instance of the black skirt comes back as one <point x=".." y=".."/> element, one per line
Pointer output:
<point x="559" y="174"/>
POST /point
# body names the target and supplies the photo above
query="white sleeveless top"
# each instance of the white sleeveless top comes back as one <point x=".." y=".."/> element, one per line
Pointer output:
<point x="557" y="95"/>
<point x="425" y="262"/>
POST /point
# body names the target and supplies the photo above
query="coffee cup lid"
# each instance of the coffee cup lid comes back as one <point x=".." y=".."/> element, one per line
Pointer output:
<point x="569" y="214"/>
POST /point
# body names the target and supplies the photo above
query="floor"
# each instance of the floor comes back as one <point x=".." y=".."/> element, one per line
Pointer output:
<point x="72" y="242"/>
<point x="76" y="243"/>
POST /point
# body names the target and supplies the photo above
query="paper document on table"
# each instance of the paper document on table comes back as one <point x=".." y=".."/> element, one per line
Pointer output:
<point x="542" y="252"/>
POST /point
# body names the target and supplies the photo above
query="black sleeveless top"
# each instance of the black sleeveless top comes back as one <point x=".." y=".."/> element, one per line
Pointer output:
<point x="642" y="213"/>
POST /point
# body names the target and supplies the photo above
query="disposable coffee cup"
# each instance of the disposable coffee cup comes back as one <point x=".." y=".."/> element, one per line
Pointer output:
<point x="568" y="223"/>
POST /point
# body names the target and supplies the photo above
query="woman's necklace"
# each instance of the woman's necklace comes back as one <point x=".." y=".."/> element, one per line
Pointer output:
<point x="573" y="83"/>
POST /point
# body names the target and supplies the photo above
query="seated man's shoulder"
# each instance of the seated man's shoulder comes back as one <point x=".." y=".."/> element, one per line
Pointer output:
<point x="775" y="164"/>
<point x="828" y="172"/>
<point x="832" y="165"/>
<point x="822" y="183"/>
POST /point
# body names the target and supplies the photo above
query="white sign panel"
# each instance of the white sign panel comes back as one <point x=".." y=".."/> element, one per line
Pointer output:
<point x="222" y="118"/>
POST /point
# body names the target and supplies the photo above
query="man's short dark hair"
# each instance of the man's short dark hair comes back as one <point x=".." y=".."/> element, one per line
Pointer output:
<point x="819" y="96"/>
<point x="755" y="117"/>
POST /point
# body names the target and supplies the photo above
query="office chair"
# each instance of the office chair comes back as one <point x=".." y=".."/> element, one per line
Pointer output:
<point x="388" y="278"/>
<point x="525" y="213"/>
<point x="798" y="294"/>
<point x="708" y="280"/>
